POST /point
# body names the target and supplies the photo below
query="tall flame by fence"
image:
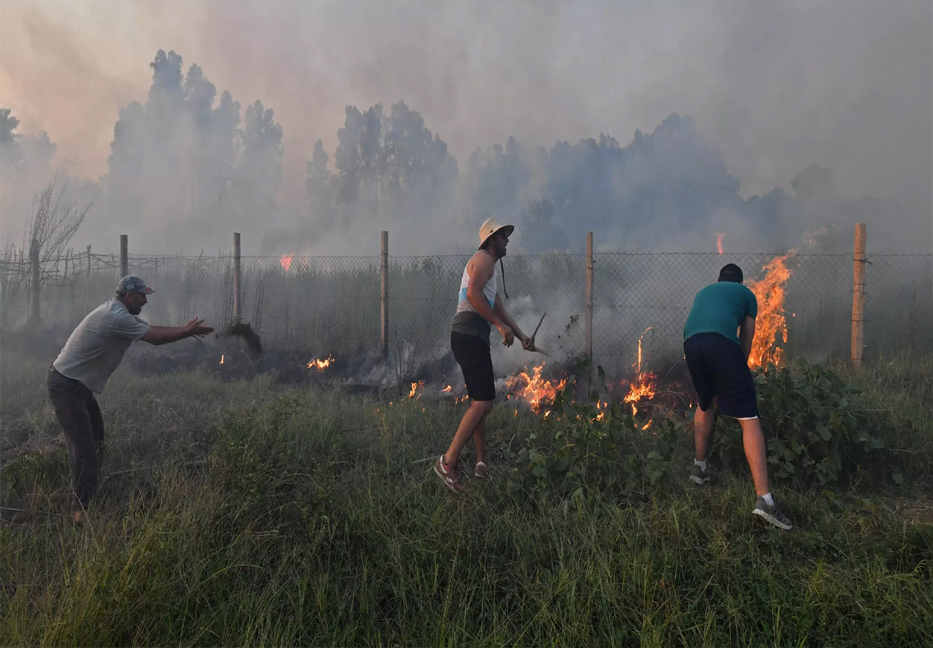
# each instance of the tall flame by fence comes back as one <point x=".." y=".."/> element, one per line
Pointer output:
<point x="770" y="325"/>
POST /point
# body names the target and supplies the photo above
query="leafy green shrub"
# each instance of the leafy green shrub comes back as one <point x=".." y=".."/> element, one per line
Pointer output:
<point x="583" y="447"/>
<point x="814" y="429"/>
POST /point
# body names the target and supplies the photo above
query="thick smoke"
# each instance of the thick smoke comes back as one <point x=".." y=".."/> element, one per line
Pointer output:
<point x="797" y="116"/>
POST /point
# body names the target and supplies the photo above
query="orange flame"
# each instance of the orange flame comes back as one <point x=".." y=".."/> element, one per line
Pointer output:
<point x="221" y="359"/>
<point x="637" y="364"/>
<point x="643" y="388"/>
<point x="533" y="388"/>
<point x="447" y="389"/>
<point x="286" y="261"/>
<point x="770" y="324"/>
<point x="321" y="365"/>
<point x="719" y="242"/>
<point x="415" y="386"/>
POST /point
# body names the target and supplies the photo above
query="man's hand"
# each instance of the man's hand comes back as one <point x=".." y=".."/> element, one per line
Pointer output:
<point x="528" y="344"/>
<point x="508" y="337"/>
<point x="195" y="328"/>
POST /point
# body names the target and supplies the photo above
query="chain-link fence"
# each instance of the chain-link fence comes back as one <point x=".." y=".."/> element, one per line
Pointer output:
<point x="331" y="305"/>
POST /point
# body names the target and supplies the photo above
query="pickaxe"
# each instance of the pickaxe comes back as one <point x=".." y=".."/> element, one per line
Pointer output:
<point x="532" y="338"/>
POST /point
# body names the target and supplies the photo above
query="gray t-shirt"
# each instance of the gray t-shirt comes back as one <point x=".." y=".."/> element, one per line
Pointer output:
<point x="95" y="349"/>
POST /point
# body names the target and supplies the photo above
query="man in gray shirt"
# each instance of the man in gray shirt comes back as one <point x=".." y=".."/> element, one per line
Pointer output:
<point x="90" y="356"/>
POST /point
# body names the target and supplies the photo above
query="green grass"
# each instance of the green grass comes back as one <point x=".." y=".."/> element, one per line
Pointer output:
<point x="262" y="515"/>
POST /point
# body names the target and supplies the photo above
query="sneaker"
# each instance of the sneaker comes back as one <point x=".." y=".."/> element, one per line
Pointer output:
<point x="772" y="514"/>
<point x="699" y="476"/>
<point x="481" y="471"/>
<point x="448" y="474"/>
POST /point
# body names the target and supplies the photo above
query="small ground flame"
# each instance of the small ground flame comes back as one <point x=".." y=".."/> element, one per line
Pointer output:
<point x="415" y="386"/>
<point x="533" y="388"/>
<point x="221" y="359"/>
<point x="321" y="365"/>
<point x="286" y="261"/>
<point x="447" y="389"/>
<point x="719" y="242"/>
<point x="770" y="324"/>
<point x="643" y="388"/>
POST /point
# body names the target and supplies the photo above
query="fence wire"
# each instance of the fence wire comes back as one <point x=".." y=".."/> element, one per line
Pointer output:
<point x="331" y="305"/>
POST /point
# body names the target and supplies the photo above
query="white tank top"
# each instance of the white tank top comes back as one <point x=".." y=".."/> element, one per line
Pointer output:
<point x="489" y="292"/>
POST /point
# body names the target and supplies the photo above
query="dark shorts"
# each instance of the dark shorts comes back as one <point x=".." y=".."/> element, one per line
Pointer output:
<point x="718" y="369"/>
<point x="472" y="354"/>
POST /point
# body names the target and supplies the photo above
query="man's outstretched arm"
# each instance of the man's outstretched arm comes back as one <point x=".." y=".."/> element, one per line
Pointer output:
<point x="167" y="334"/>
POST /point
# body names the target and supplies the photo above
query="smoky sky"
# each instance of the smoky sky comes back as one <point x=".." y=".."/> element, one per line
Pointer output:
<point x="775" y="86"/>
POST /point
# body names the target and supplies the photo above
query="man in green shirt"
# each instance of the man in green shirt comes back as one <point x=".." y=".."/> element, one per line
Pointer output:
<point x="717" y="357"/>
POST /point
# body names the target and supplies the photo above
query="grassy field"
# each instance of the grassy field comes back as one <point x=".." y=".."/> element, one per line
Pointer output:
<point x="248" y="513"/>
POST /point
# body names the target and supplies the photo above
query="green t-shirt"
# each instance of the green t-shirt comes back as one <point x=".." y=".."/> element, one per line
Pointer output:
<point x="721" y="308"/>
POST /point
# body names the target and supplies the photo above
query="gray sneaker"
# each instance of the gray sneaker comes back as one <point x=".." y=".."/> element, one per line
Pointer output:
<point x="699" y="476"/>
<point x="772" y="514"/>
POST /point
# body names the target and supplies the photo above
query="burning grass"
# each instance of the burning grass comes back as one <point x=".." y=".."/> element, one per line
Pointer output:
<point x="321" y="363"/>
<point x="257" y="514"/>
<point x="300" y="508"/>
<point x="533" y="389"/>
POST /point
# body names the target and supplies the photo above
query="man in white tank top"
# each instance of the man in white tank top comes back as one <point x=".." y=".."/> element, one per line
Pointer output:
<point x="478" y="309"/>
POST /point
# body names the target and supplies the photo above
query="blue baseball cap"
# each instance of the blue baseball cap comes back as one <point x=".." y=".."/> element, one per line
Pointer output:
<point x="132" y="283"/>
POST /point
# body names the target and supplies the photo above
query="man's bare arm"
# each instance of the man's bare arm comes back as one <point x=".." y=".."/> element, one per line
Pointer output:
<point x="504" y="315"/>
<point x="158" y="335"/>
<point x="747" y="335"/>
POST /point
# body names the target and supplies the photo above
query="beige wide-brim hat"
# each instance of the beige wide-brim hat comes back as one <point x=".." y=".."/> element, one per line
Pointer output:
<point x="490" y="227"/>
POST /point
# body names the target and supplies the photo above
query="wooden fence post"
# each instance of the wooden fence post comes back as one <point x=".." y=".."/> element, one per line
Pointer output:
<point x="34" y="316"/>
<point x="384" y="296"/>
<point x="589" y="299"/>
<point x="858" y="296"/>
<point x="237" y="295"/>
<point x="124" y="256"/>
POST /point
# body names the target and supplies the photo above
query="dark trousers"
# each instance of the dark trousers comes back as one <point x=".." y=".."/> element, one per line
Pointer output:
<point x="79" y="414"/>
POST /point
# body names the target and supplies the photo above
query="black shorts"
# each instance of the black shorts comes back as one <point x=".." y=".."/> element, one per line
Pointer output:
<point x="718" y="368"/>
<point x="472" y="354"/>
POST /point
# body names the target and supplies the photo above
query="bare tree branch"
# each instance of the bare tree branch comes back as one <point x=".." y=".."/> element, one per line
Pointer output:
<point x="53" y="220"/>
